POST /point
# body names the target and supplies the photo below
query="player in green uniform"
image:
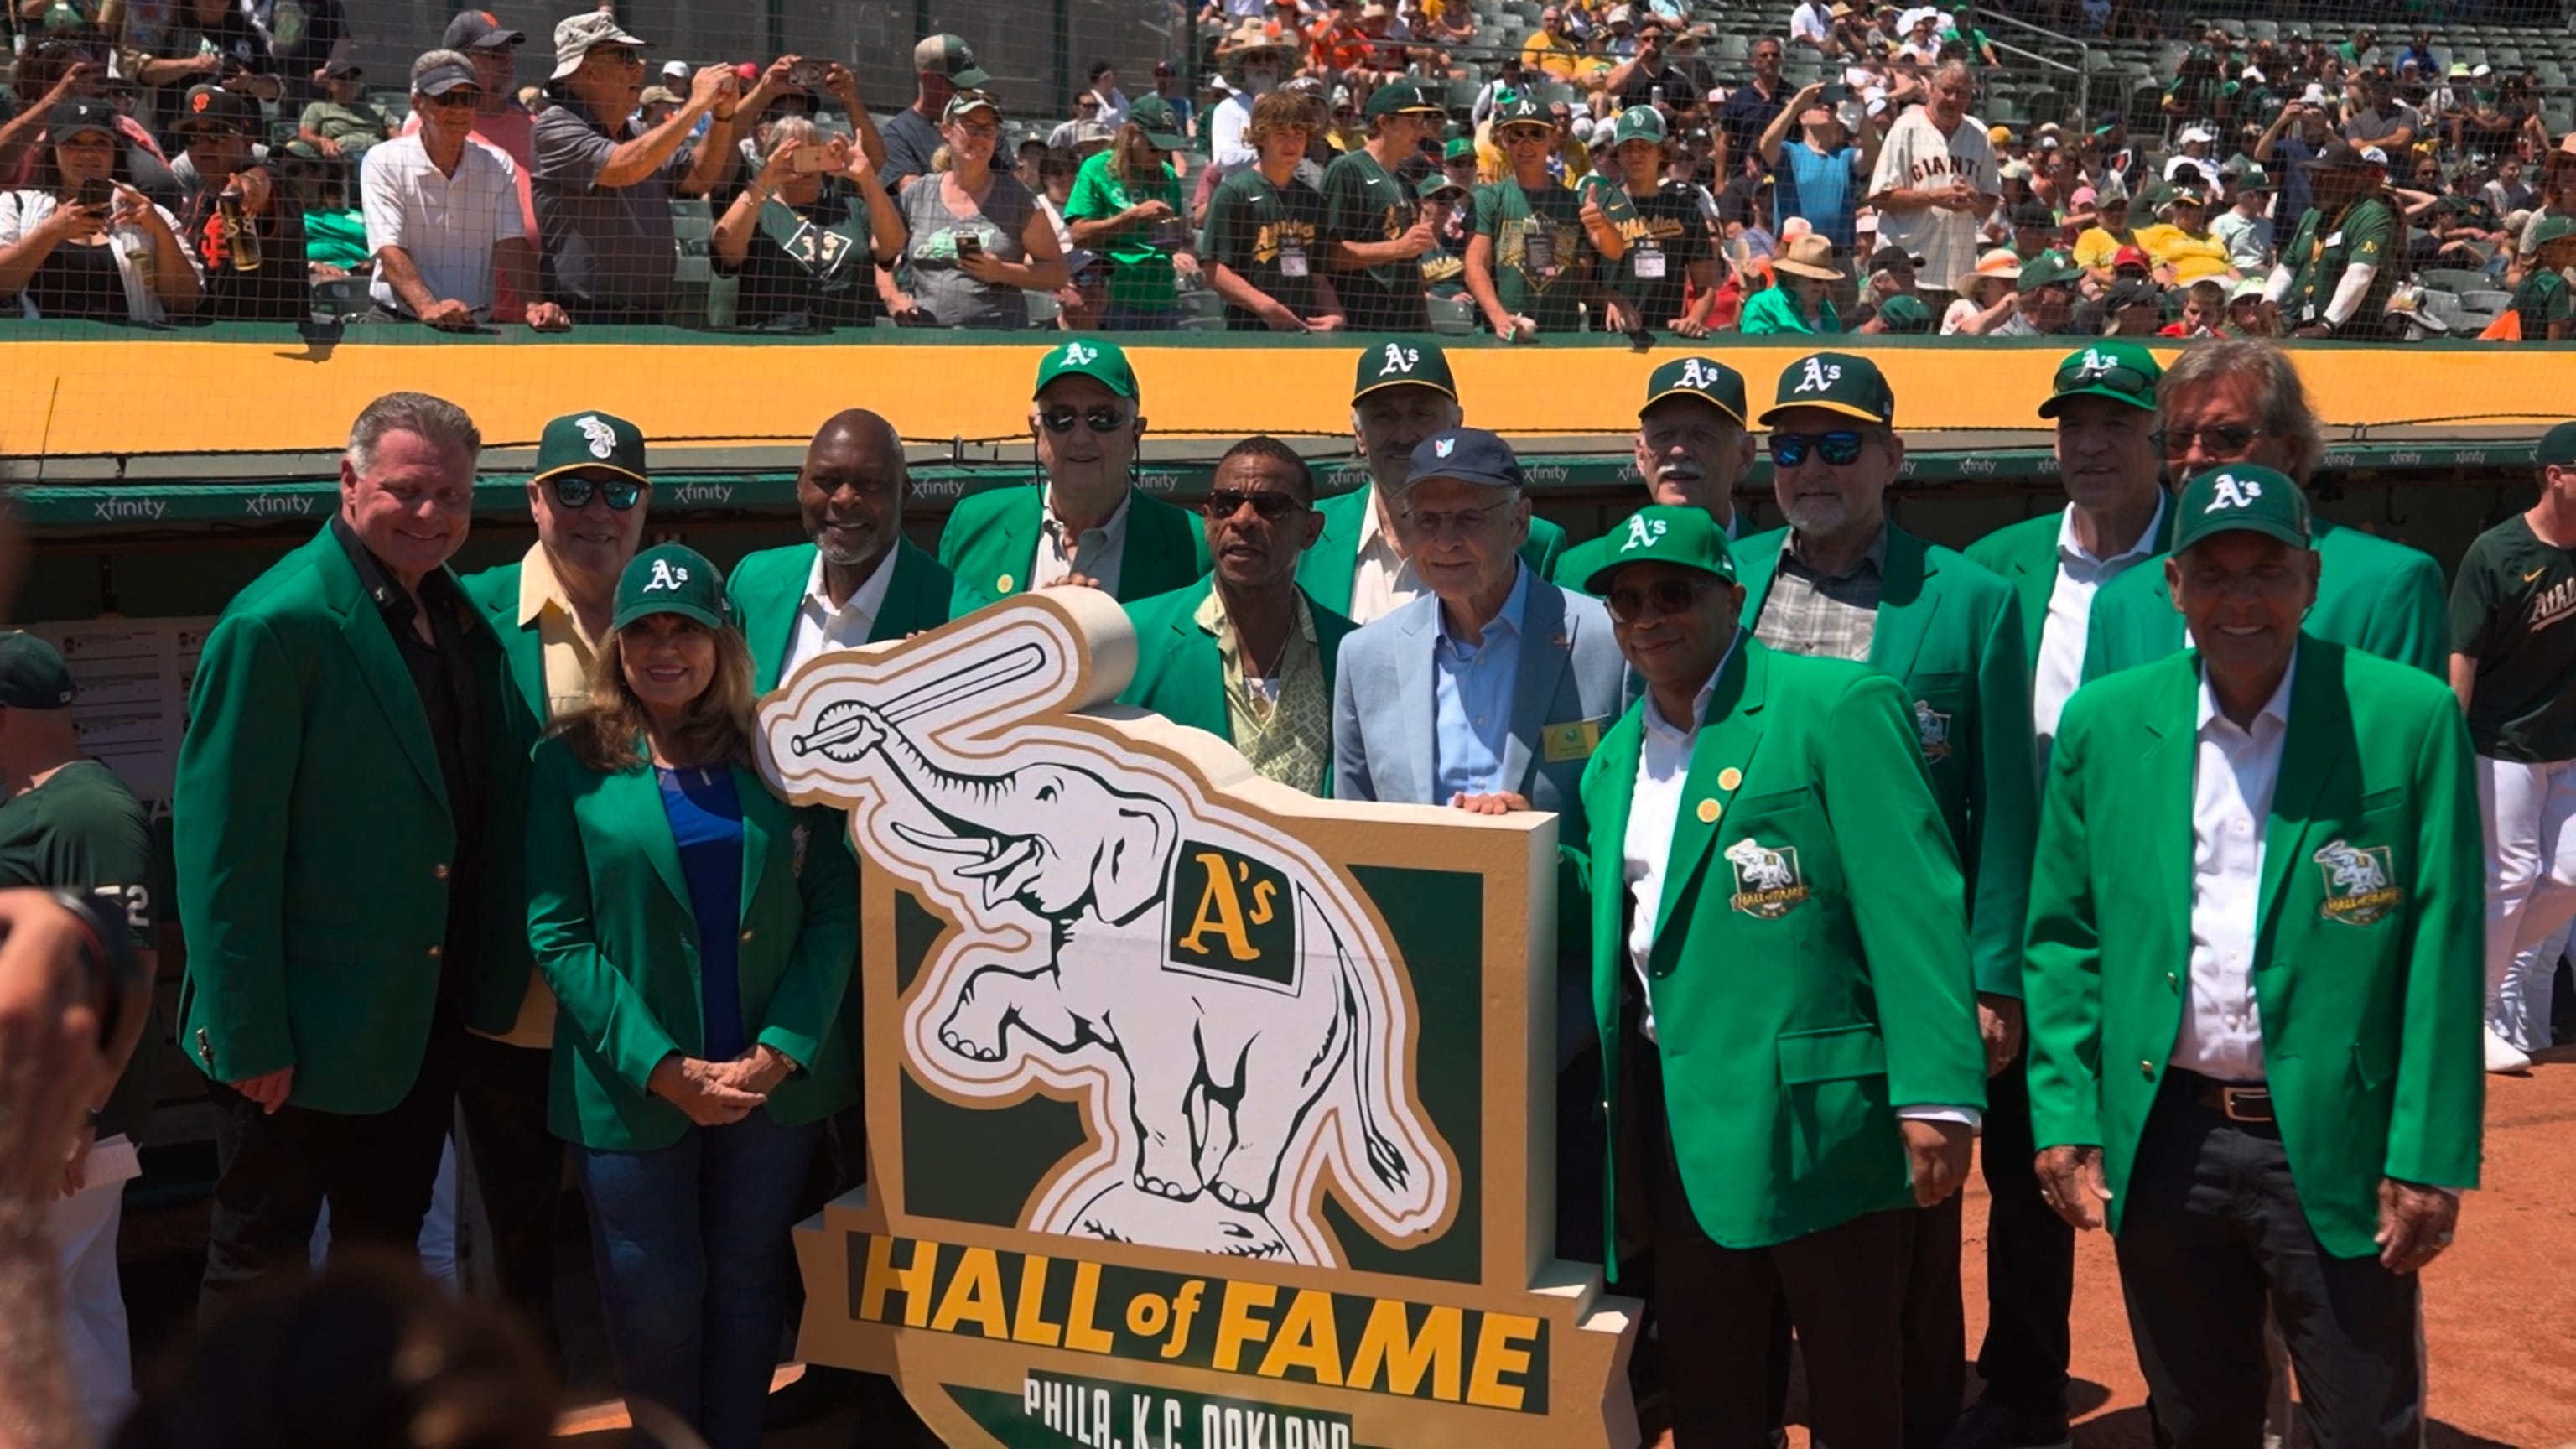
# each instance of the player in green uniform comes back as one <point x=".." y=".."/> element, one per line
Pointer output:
<point x="1651" y="237"/>
<point x="1262" y="244"/>
<point x="1374" y="232"/>
<point x="1526" y="266"/>
<point x="2544" y="299"/>
<point x="2334" y="277"/>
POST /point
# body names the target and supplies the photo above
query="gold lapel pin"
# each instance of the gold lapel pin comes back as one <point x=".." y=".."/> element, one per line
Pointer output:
<point x="1729" y="778"/>
<point x="1003" y="583"/>
<point x="1709" y="810"/>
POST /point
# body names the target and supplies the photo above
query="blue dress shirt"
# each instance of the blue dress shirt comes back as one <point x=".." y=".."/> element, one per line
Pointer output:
<point x="1472" y="691"/>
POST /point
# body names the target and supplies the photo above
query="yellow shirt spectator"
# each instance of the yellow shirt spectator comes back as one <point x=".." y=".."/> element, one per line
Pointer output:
<point x="2094" y="248"/>
<point x="1553" y="54"/>
<point x="2191" y="255"/>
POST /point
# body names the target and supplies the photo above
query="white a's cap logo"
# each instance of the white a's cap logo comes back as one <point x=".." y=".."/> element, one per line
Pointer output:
<point x="666" y="577"/>
<point x="1642" y="533"/>
<point x="1078" y="354"/>
<point x="603" y="438"/>
<point x="1693" y="375"/>
<point x="1399" y="358"/>
<point x="1818" y="376"/>
<point x="2234" y="492"/>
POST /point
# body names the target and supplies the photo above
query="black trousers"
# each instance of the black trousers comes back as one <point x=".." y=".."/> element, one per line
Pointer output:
<point x="518" y="1170"/>
<point x="1936" y="1324"/>
<point x="2030" y="1259"/>
<point x="2212" y="1229"/>
<point x="1843" y="1286"/>
<point x="274" y="1170"/>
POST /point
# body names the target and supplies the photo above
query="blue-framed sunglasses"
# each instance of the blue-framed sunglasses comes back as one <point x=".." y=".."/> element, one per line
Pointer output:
<point x="572" y="490"/>
<point x="1836" y="448"/>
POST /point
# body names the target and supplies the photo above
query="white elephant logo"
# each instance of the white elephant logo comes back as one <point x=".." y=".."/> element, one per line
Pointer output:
<point x="1207" y="985"/>
<point x="2359" y="883"/>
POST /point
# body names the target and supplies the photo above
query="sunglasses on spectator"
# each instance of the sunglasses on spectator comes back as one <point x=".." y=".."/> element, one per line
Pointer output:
<point x="1269" y="503"/>
<point x="572" y="490"/>
<point x="615" y="55"/>
<point x="2221" y="439"/>
<point x="1663" y="596"/>
<point x="1060" y="420"/>
<point x="456" y="99"/>
<point x="1837" y="449"/>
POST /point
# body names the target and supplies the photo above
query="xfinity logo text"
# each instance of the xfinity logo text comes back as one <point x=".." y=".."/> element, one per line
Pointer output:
<point x="110" y="510"/>
<point x="278" y="505"/>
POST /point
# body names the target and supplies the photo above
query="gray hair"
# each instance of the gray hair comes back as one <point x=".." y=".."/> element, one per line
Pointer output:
<point x="790" y="128"/>
<point x="434" y="419"/>
<point x="1950" y="68"/>
<point x="2281" y="400"/>
<point x="432" y="60"/>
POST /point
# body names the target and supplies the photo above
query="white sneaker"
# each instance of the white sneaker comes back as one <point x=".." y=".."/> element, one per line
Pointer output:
<point x="2504" y="1056"/>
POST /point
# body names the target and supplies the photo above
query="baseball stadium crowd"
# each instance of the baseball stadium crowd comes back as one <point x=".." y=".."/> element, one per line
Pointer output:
<point x="1357" y="167"/>
<point x="2199" y="855"/>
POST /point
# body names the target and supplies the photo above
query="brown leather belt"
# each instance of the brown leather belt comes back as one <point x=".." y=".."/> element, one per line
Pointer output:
<point x="2238" y="1102"/>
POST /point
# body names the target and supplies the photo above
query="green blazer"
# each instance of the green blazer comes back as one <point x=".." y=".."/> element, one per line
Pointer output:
<point x="1180" y="676"/>
<point x="311" y="839"/>
<point x="2025" y="555"/>
<point x="768" y="587"/>
<point x="1325" y="573"/>
<point x="1951" y="632"/>
<point x="2371" y="1021"/>
<point x="991" y="543"/>
<point x="1791" y="1032"/>
<point x="2378" y="597"/>
<point x="610" y="920"/>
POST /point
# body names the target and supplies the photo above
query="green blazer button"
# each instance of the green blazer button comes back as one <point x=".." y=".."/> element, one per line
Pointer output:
<point x="438" y="871"/>
<point x="2147" y="1070"/>
<point x="433" y="950"/>
<point x="746" y="935"/>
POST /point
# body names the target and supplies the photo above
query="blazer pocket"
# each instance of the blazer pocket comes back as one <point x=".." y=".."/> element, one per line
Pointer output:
<point x="308" y="941"/>
<point x="1776" y="802"/>
<point x="1832" y="1055"/>
<point x="2388" y="799"/>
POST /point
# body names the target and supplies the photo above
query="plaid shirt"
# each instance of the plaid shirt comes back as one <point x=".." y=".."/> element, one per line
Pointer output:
<point x="1831" y="618"/>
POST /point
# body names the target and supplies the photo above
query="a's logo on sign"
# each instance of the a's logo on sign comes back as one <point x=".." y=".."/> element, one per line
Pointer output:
<point x="665" y="577"/>
<point x="1232" y="917"/>
<point x="1933" y="728"/>
<point x="2360" y="885"/>
<point x="2230" y="491"/>
<point x="1819" y="375"/>
<point x="1399" y="358"/>
<point x="1768" y="884"/>
<point x="603" y="438"/>
<point x="1642" y="533"/>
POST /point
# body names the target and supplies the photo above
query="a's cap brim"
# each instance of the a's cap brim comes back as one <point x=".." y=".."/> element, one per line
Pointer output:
<point x="1166" y="141"/>
<point x="703" y="615"/>
<point x="1695" y="395"/>
<point x="2055" y="403"/>
<point x="1849" y="410"/>
<point x="1383" y="383"/>
<point x="587" y="464"/>
<point x="1597" y="582"/>
<point x="2268" y="527"/>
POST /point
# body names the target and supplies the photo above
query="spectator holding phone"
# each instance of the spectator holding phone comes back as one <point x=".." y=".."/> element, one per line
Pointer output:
<point x="1126" y="204"/>
<point x="802" y="232"/>
<point x="81" y="242"/>
<point x="1263" y="243"/>
<point x="1823" y="177"/>
<point x="443" y="213"/>
<point x="974" y="237"/>
<point x="173" y="47"/>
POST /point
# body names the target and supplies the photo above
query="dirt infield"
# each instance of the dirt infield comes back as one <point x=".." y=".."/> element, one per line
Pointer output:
<point x="2499" y="1307"/>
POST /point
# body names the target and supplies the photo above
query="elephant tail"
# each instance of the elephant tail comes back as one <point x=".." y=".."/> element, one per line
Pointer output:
<point x="1359" y="1020"/>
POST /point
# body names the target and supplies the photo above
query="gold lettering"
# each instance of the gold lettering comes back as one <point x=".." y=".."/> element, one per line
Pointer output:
<point x="974" y="1296"/>
<point x="1262" y="891"/>
<point x="1236" y="1326"/>
<point x="1080" y="1333"/>
<point x="1495" y="1357"/>
<point x="913" y="1282"/>
<point x="1028" y="1323"/>
<point x="1220" y="911"/>
<point x="1307" y="1339"/>
<point x="1389" y="1344"/>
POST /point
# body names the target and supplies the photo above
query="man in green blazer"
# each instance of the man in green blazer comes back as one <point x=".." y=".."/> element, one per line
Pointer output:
<point x="2239" y="400"/>
<point x="859" y="581"/>
<point x="551" y="611"/>
<point x="1780" y="977"/>
<point x="2116" y="516"/>
<point x="1843" y="581"/>
<point x="1086" y="524"/>
<point x="2256" y="986"/>
<point x="1691" y="446"/>
<point x="337" y="830"/>
<point x="1243" y="653"/>
<point x="1357" y="567"/>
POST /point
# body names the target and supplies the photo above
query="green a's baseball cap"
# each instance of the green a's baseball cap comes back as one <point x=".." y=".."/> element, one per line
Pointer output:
<point x="1154" y="116"/>
<point x="1905" y="312"/>
<point x="592" y="440"/>
<point x="672" y="578"/>
<point x="1404" y="362"/>
<point x="1665" y="533"/>
<point x="2558" y="445"/>
<point x="2241" y="496"/>
<point x="2121" y="371"/>
<point x="1402" y="97"/>
<point x="1521" y="110"/>
<point x="2051" y="268"/>
<point x="1102" y="362"/>
<point x="949" y="56"/>
<point x="32" y="673"/>
<point x="1705" y="378"/>
<point x="1638" y="123"/>
<point x="1840" y="382"/>
<point x="1457" y="147"/>
<point x="2550" y="229"/>
<point x="1435" y="183"/>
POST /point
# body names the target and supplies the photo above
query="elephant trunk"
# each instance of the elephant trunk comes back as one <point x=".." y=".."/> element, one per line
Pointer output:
<point x="977" y="804"/>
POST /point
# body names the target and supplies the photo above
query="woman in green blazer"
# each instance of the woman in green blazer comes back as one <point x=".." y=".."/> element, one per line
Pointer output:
<point x="698" y="933"/>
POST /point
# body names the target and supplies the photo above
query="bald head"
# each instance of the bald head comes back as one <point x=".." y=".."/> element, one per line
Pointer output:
<point x="850" y="495"/>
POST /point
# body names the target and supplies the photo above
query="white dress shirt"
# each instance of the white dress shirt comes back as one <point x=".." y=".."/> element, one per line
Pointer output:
<point x="1097" y="554"/>
<point x="2233" y="775"/>
<point x="1383" y="580"/>
<point x="821" y="627"/>
<point x="2080" y="575"/>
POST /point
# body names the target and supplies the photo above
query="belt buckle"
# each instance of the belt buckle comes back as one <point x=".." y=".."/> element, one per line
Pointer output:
<point x="2260" y="1097"/>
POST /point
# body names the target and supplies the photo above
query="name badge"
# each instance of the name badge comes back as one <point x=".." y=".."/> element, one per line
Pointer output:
<point x="2335" y="240"/>
<point x="1292" y="261"/>
<point x="1570" y="741"/>
<point x="1650" y="263"/>
<point x="1538" y="249"/>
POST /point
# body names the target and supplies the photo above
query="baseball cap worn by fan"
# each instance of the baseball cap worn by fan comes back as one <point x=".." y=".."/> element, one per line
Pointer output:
<point x="1638" y="123"/>
<point x="2124" y="372"/>
<point x="438" y="80"/>
<point x="1839" y="382"/>
<point x="672" y="578"/>
<point x="1437" y="184"/>
<point x="479" y="30"/>
<point x="2557" y="446"/>
<point x="212" y="108"/>
<point x="946" y="55"/>
<point x="80" y="114"/>
<point x="1464" y="455"/>
<point x="1404" y="362"/>
<point x="1397" y="98"/>
<point x="1153" y="115"/>
<point x="576" y="35"/>
<point x="32" y="673"/>
<point x="1704" y="378"/>
<point x="1904" y="313"/>
<point x="1103" y="362"/>
<point x="599" y="441"/>
<point x="2241" y="497"/>
<point x="1666" y="533"/>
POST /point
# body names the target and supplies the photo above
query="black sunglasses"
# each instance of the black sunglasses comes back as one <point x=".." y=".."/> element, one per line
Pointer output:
<point x="2225" y="438"/>
<point x="1836" y="448"/>
<point x="1628" y="604"/>
<point x="575" y="491"/>
<point x="1103" y="419"/>
<point x="1269" y="503"/>
<point x="2117" y="375"/>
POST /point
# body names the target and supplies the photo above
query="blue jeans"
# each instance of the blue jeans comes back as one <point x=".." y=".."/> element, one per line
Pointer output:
<point x="691" y="1245"/>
